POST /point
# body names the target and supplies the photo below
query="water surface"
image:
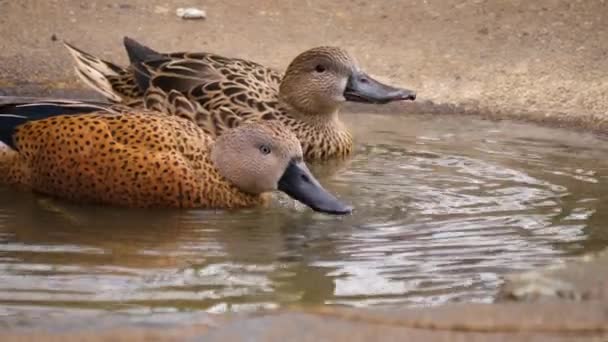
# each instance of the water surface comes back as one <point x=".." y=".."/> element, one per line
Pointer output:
<point x="445" y="206"/>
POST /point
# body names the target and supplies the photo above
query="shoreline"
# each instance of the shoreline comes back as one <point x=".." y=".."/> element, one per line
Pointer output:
<point x="591" y="123"/>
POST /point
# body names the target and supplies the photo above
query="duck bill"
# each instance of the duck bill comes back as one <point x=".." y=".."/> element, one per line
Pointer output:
<point x="299" y="183"/>
<point x="362" y="88"/>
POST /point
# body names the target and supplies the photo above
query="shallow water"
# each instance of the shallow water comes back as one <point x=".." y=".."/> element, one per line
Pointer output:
<point x="445" y="206"/>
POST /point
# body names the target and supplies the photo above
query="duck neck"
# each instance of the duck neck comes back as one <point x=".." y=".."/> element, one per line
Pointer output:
<point x="326" y="116"/>
<point x="323" y="136"/>
<point x="219" y="192"/>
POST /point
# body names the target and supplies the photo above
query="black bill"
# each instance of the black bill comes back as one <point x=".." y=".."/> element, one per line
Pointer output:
<point x="301" y="185"/>
<point x="362" y="88"/>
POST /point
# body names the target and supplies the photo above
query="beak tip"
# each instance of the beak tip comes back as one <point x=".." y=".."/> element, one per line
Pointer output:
<point x="408" y="95"/>
<point x="341" y="209"/>
<point x="298" y="183"/>
<point x="347" y="209"/>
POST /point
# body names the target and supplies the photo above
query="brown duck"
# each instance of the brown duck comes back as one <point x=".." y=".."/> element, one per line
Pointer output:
<point x="116" y="155"/>
<point x="223" y="92"/>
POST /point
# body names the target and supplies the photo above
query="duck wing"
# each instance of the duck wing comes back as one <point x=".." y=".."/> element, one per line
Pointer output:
<point x="223" y="92"/>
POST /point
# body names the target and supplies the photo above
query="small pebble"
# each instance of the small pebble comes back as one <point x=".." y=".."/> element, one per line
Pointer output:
<point x="191" y="13"/>
<point x="54" y="37"/>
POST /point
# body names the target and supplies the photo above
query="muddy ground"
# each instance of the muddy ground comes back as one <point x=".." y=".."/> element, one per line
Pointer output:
<point x="543" y="60"/>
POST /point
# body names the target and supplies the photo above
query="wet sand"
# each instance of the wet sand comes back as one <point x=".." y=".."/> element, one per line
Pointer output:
<point x="543" y="61"/>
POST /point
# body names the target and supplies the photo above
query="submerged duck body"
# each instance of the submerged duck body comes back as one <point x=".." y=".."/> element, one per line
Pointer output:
<point x="90" y="153"/>
<point x="221" y="92"/>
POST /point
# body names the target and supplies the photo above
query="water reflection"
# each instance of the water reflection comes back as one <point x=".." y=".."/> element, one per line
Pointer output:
<point x="444" y="208"/>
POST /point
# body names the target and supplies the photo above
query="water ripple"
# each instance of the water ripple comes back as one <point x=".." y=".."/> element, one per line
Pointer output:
<point x="443" y="211"/>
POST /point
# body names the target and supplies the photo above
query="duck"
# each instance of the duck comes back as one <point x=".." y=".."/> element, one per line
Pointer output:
<point x="111" y="154"/>
<point x="224" y="92"/>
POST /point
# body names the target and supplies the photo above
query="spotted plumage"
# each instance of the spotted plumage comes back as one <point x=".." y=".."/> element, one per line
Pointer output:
<point x="221" y="93"/>
<point x="140" y="158"/>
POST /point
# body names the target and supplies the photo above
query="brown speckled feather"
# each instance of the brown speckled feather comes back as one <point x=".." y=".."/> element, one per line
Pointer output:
<point x="226" y="92"/>
<point x="117" y="84"/>
<point x="218" y="93"/>
<point x="138" y="159"/>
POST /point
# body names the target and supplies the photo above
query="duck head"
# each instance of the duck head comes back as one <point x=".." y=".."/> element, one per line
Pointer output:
<point x="319" y="80"/>
<point x="263" y="157"/>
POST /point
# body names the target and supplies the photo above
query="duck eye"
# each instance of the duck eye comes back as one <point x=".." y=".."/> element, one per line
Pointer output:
<point x="319" y="68"/>
<point x="265" y="149"/>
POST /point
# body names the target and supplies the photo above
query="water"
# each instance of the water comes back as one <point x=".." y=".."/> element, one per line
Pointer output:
<point x="445" y="206"/>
